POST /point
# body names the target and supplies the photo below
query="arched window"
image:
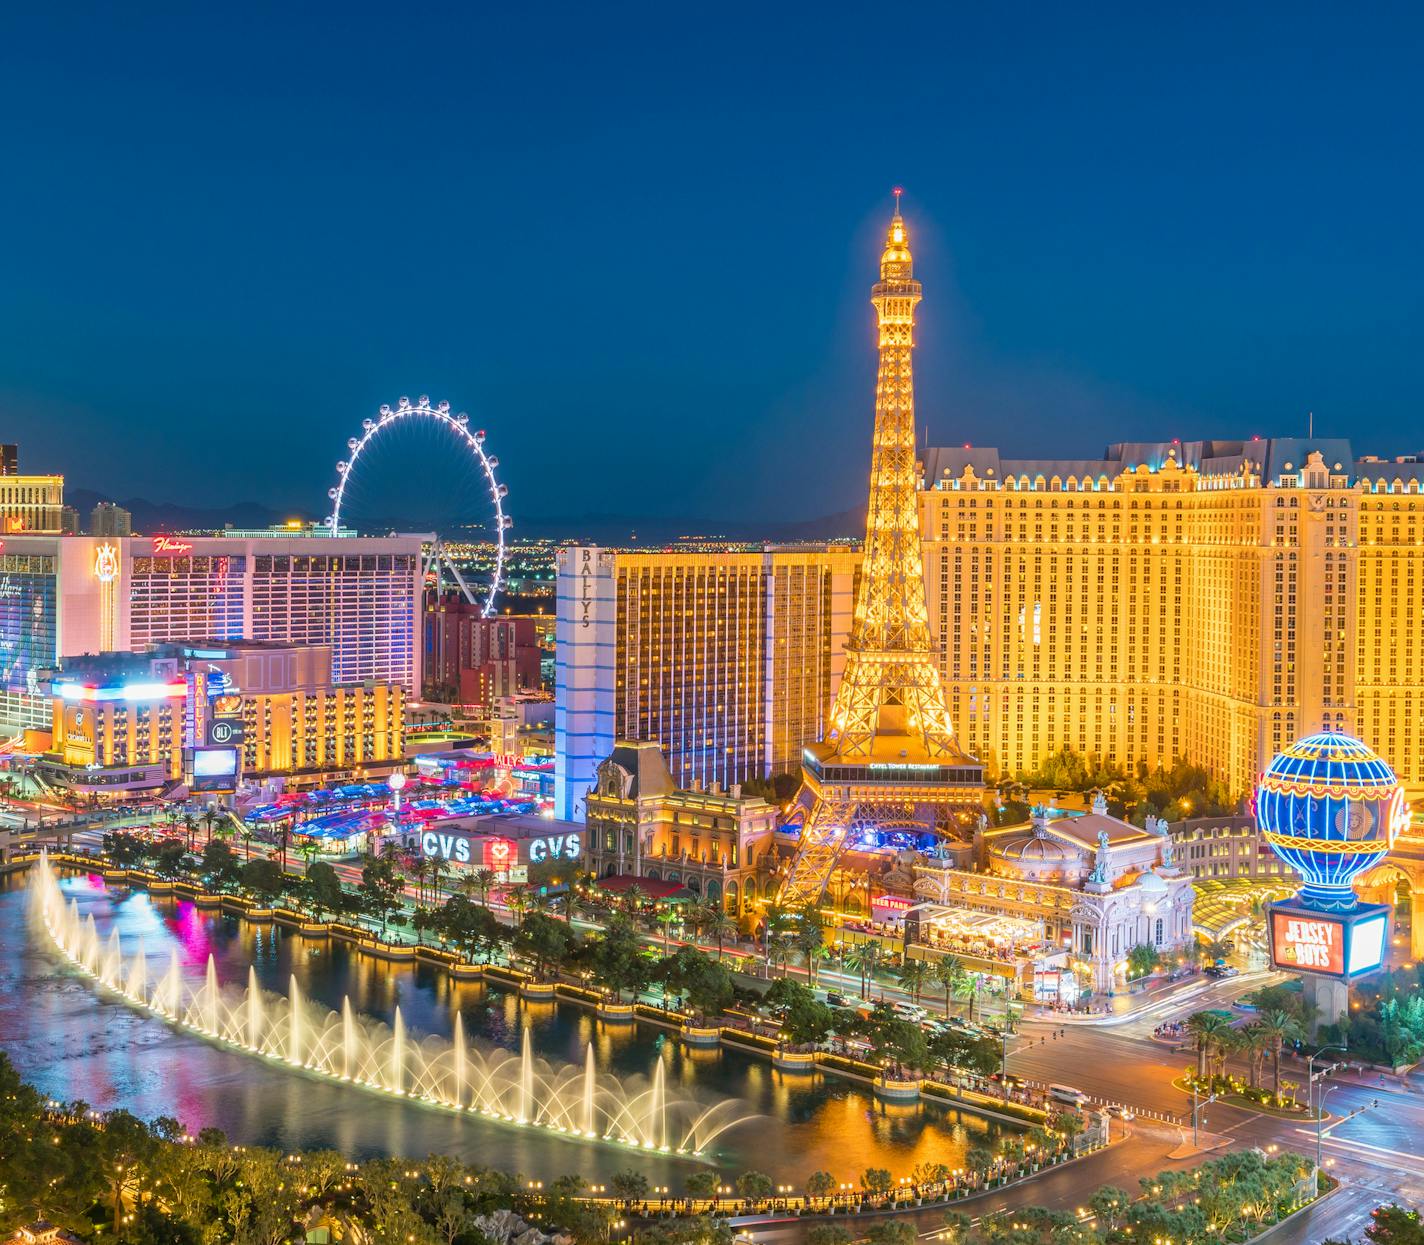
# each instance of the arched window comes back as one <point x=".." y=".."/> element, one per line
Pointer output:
<point x="1158" y="941"/>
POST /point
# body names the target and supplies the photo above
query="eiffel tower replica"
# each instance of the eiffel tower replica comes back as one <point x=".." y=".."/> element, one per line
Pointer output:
<point x="890" y="760"/>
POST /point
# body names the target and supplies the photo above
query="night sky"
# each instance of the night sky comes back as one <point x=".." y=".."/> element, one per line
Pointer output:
<point x="637" y="245"/>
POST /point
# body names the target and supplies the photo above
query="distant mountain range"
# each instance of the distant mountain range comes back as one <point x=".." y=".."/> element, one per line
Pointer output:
<point x="151" y="516"/>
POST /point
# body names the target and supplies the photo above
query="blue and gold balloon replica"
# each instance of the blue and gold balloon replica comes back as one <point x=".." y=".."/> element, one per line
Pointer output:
<point x="1331" y="808"/>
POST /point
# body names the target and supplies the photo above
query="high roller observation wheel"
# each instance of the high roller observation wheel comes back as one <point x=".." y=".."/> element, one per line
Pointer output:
<point x="459" y="425"/>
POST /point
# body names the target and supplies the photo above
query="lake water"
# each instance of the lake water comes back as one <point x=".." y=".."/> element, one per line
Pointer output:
<point x="73" y="1040"/>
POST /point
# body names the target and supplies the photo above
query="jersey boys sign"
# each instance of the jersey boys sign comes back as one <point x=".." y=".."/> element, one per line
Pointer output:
<point x="1316" y="944"/>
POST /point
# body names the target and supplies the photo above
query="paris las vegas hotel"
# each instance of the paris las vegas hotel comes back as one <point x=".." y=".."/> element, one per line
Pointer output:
<point x="1212" y="600"/>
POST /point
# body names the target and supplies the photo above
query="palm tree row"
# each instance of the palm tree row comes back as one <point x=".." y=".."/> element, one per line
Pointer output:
<point x="1217" y="1038"/>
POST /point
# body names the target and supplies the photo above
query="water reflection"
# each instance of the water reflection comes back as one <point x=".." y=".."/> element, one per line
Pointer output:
<point x="74" y="1045"/>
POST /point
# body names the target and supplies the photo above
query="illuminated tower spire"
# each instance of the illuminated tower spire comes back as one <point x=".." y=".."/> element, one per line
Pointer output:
<point x="890" y="758"/>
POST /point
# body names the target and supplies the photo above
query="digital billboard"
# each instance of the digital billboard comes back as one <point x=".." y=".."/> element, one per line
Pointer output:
<point x="1308" y="943"/>
<point x="1343" y="945"/>
<point x="27" y="624"/>
<point x="1367" y="944"/>
<point x="215" y="769"/>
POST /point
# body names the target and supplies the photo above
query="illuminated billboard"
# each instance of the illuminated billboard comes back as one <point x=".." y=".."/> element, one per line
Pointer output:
<point x="1343" y="945"/>
<point x="1315" y="944"/>
<point x="215" y="769"/>
<point x="1367" y="944"/>
<point x="27" y="622"/>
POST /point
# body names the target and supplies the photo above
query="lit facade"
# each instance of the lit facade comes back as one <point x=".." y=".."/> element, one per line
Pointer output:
<point x="1212" y="599"/>
<point x="128" y="721"/>
<point x="1227" y="849"/>
<point x="31" y="504"/>
<point x="1095" y="885"/>
<point x="117" y="723"/>
<point x="728" y="661"/>
<point x="718" y="844"/>
<point x="298" y="724"/>
<point x="361" y="597"/>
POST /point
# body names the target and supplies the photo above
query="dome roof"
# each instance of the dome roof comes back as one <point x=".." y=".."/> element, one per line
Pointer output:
<point x="1151" y="883"/>
<point x="1330" y="764"/>
<point x="1034" y="848"/>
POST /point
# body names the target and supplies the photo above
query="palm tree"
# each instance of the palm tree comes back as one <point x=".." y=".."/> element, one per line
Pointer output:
<point x="969" y="988"/>
<point x="667" y="918"/>
<point x="1252" y="1043"/>
<point x="774" y="937"/>
<point x="483" y="880"/>
<point x="190" y="828"/>
<point x="864" y="958"/>
<point x="633" y="899"/>
<point x="949" y="973"/>
<point x="437" y="867"/>
<point x="718" y="925"/>
<point x="209" y="819"/>
<point x="420" y="870"/>
<point x="1207" y="1028"/>
<point x="246" y="841"/>
<point x="518" y="903"/>
<point x="810" y="938"/>
<point x="914" y="975"/>
<point x="308" y="852"/>
<point x="1277" y="1028"/>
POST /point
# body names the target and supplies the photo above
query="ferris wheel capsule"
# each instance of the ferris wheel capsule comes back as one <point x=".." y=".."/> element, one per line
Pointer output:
<point x="503" y="490"/>
<point x="462" y="419"/>
<point x="385" y="410"/>
<point x="352" y="443"/>
<point x="342" y="468"/>
<point x="423" y="402"/>
<point x="331" y="492"/>
<point x="480" y="437"/>
<point x="404" y="402"/>
<point x="368" y="424"/>
<point x="507" y="523"/>
<point x="443" y="406"/>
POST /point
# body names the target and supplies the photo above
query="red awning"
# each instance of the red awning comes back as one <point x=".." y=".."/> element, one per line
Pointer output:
<point x="653" y="888"/>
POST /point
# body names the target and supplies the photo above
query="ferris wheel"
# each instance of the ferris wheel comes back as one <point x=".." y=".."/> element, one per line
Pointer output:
<point x="418" y="466"/>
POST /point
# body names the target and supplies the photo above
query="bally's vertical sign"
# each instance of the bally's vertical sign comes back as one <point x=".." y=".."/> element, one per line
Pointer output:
<point x="586" y="588"/>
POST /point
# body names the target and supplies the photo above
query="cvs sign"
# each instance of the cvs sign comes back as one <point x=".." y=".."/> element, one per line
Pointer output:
<point x="555" y="847"/>
<point x="445" y="847"/>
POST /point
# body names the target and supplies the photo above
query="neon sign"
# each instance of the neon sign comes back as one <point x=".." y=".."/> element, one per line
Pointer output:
<point x="446" y="846"/>
<point x="106" y="564"/>
<point x="171" y="544"/>
<point x="556" y="847"/>
<point x="128" y="691"/>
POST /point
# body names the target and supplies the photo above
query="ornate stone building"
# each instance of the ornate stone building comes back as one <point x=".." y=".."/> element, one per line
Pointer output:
<point x="1098" y="887"/>
<point x="718" y="844"/>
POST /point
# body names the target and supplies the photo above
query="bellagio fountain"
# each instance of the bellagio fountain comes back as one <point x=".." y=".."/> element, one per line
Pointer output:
<point x="452" y="1074"/>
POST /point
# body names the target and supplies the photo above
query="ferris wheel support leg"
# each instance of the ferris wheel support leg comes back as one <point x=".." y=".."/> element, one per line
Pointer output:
<point x="455" y="571"/>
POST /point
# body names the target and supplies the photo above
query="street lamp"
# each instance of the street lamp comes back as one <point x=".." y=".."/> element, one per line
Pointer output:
<point x="1196" y="1109"/>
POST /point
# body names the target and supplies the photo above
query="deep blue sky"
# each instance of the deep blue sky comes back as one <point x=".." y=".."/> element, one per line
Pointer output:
<point x="637" y="244"/>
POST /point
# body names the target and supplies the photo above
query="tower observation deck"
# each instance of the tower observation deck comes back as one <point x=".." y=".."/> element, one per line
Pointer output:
<point x="890" y="760"/>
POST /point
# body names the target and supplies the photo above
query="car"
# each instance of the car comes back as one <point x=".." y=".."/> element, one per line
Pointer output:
<point x="1119" y="1112"/>
<point x="909" y="1011"/>
<point x="1066" y="1093"/>
<point x="834" y="998"/>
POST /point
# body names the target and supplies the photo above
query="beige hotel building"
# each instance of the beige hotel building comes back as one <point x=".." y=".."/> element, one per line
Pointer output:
<point x="1207" y="599"/>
